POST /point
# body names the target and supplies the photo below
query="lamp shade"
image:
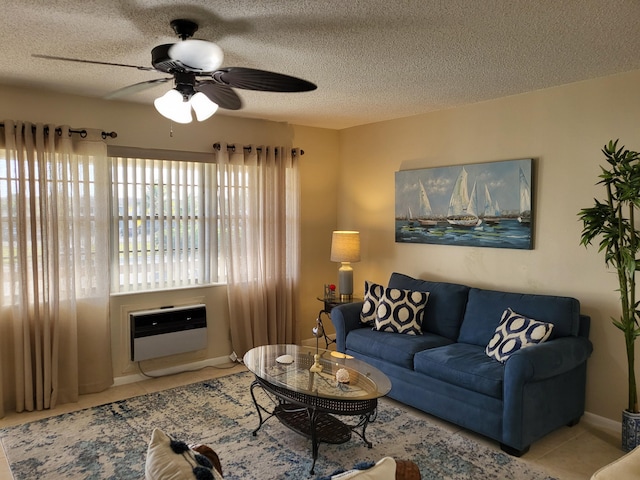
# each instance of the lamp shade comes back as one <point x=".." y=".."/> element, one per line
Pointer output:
<point x="345" y="246"/>
<point x="173" y="106"/>
<point x="203" y="107"/>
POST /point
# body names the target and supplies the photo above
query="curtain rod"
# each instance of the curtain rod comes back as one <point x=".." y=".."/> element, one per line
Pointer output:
<point x="82" y="133"/>
<point x="217" y="146"/>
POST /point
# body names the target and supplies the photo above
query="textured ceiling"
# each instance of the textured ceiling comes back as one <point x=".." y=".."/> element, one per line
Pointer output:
<point x="372" y="60"/>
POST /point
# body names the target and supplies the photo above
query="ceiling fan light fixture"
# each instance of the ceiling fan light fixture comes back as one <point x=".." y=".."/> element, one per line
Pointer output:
<point x="202" y="106"/>
<point x="173" y="106"/>
<point x="197" y="55"/>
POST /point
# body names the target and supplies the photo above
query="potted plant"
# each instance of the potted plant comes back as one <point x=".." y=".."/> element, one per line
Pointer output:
<point x="613" y="222"/>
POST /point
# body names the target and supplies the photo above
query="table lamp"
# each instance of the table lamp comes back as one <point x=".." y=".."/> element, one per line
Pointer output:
<point x="345" y="248"/>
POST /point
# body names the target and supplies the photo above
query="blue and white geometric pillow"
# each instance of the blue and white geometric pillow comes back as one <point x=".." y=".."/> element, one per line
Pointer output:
<point x="401" y="311"/>
<point x="372" y="294"/>
<point x="514" y="332"/>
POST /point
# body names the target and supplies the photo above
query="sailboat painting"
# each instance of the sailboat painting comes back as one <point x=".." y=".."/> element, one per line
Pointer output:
<point x="477" y="205"/>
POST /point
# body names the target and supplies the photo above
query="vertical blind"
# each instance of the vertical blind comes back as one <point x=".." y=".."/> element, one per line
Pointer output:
<point x="165" y="231"/>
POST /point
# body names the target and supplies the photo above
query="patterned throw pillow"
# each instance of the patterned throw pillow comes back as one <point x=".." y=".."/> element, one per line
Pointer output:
<point x="169" y="459"/>
<point x="384" y="469"/>
<point x="514" y="332"/>
<point x="401" y="311"/>
<point x="372" y="294"/>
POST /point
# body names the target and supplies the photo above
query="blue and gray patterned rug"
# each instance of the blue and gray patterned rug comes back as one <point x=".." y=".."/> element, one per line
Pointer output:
<point x="110" y="441"/>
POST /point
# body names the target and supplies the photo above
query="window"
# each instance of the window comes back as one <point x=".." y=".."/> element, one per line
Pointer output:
<point x="166" y="224"/>
<point x="51" y="206"/>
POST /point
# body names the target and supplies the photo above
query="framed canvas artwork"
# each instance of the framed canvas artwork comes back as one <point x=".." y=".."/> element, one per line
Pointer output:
<point x="479" y="205"/>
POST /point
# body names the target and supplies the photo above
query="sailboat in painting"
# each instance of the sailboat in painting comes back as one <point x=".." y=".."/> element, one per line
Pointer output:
<point x="426" y="213"/>
<point x="410" y="221"/>
<point x="491" y="209"/>
<point x="525" y="200"/>
<point x="462" y="210"/>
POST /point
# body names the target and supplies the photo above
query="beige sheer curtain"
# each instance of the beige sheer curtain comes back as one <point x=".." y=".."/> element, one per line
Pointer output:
<point x="54" y="297"/>
<point x="259" y="209"/>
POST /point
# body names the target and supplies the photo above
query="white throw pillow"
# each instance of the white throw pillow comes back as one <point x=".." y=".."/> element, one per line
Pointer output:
<point x="384" y="469"/>
<point x="514" y="332"/>
<point x="401" y="311"/>
<point x="372" y="294"/>
<point x="164" y="463"/>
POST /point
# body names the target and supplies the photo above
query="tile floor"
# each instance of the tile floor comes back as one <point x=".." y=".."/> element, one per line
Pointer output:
<point x="568" y="454"/>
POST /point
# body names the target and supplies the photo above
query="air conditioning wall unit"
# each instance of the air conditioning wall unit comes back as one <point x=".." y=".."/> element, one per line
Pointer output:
<point x="167" y="331"/>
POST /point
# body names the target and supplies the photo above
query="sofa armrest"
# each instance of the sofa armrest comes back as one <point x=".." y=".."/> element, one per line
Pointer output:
<point x="345" y="318"/>
<point x="547" y="359"/>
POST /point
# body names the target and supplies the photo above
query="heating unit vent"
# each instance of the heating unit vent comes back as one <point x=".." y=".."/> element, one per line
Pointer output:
<point x="167" y="331"/>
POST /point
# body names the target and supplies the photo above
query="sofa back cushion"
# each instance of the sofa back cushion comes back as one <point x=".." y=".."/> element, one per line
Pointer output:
<point x="485" y="308"/>
<point x="445" y="308"/>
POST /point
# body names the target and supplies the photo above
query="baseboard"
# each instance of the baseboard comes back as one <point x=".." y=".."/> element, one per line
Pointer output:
<point x="602" y="422"/>
<point x="209" y="362"/>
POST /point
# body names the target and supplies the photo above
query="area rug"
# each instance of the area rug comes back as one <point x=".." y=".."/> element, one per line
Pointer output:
<point x="110" y="441"/>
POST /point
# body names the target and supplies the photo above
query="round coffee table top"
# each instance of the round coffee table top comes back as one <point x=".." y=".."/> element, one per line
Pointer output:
<point x="365" y="382"/>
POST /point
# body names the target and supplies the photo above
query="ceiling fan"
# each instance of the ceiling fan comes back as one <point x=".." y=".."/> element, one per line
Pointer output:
<point x="200" y="83"/>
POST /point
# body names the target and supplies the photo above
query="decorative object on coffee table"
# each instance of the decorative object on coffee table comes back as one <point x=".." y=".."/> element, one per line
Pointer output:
<point x="613" y="222"/>
<point x="342" y="375"/>
<point x="317" y="331"/>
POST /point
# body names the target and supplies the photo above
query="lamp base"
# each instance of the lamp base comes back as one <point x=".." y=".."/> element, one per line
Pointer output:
<point x="345" y="280"/>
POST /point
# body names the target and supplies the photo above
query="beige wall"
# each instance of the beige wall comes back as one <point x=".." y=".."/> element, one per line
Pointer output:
<point x="141" y="126"/>
<point x="319" y="173"/>
<point x="563" y="129"/>
<point x="347" y="180"/>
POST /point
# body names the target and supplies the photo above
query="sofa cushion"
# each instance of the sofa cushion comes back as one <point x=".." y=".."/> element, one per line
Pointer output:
<point x="392" y="347"/>
<point x="372" y="295"/>
<point x="445" y="309"/>
<point x="485" y="308"/>
<point x="401" y="311"/>
<point x="462" y="365"/>
<point x="514" y="332"/>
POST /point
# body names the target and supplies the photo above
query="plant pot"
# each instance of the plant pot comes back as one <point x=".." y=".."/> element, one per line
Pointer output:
<point x="630" y="430"/>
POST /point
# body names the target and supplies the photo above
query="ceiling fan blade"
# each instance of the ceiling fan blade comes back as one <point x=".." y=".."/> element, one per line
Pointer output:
<point x="94" y="62"/>
<point x="262" y="80"/>
<point x="135" y="88"/>
<point x="223" y="95"/>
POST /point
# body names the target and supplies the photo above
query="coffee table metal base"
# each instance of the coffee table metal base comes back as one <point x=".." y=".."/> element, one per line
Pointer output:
<point x="311" y="416"/>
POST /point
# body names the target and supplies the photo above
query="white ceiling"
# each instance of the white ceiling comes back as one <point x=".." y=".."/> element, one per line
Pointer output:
<point x="372" y="60"/>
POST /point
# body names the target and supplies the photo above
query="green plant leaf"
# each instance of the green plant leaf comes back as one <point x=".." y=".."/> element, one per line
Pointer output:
<point x="612" y="222"/>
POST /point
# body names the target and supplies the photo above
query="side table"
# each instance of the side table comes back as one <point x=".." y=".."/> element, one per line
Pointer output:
<point x="330" y="304"/>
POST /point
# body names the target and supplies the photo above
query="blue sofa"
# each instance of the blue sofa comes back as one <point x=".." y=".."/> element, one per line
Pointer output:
<point x="446" y="372"/>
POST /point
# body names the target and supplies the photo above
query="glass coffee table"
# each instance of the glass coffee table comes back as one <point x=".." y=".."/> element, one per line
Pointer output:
<point x="307" y="401"/>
